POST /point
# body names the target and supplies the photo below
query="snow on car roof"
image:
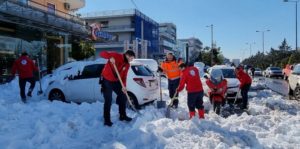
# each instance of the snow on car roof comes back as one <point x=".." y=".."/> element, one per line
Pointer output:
<point x="136" y="63"/>
<point x="222" y="67"/>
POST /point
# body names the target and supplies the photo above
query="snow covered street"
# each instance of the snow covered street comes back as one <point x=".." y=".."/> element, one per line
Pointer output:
<point x="274" y="122"/>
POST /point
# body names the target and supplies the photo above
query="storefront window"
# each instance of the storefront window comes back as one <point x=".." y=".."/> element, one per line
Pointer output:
<point x="11" y="48"/>
<point x="51" y="8"/>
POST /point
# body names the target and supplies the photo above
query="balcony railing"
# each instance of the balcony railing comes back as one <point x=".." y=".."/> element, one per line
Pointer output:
<point x="110" y="44"/>
<point x="36" y="14"/>
<point x="118" y="28"/>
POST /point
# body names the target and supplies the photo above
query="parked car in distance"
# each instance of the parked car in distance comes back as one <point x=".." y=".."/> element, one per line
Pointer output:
<point x="294" y="82"/>
<point x="273" y="72"/>
<point x="79" y="82"/>
<point x="257" y="72"/>
<point x="287" y="71"/>
<point x="232" y="82"/>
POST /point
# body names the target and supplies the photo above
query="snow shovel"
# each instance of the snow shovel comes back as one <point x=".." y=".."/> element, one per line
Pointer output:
<point x="169" y="108"/>
<point x="161" y="103"/>
<point x="39" y="75"/>
<point x="236" y="97"/>
<point x="128" y="98"/>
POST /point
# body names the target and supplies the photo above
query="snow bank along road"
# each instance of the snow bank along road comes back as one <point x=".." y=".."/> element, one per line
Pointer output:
<point x="274" y="122"/>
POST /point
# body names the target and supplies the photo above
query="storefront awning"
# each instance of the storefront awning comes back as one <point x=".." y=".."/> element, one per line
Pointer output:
<point x="17" y="13"/>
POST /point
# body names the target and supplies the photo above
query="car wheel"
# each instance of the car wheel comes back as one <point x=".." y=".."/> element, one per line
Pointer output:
<point x="134" y="101"/>
<point x="291" y="93"/>
<point x="297" y="93"/>
<point x="57" y="94"/>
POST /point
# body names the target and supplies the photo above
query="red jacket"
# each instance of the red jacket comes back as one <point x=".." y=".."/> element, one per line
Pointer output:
<point x="190" y="77"/>
<point x="217" y="91"/>
<point x="243" y="77"/>
<point x="24" y="66"/>
<point x="109" y="72"/>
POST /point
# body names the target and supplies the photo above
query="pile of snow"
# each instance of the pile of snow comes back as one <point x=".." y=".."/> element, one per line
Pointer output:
<point x="273" y="122"/>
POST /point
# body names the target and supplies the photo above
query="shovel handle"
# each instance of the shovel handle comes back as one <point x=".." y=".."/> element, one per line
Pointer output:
<point x="119" y="78"/>
<point x="174" y="97"/>
<point x="236" y="97"/>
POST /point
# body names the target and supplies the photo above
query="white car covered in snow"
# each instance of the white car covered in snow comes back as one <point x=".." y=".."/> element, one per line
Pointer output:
<point x="79" y="82"/>
<point x="294" y="82"/>
<point x="229" y="74"/>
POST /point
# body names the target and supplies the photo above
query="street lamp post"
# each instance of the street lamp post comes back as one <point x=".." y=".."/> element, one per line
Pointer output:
<point x="296" y="2"/>
<point x="187" y="53"/>
<point x="250" y="49"/>
<point x="263" y="38"/>
<point x="212" y="41"/>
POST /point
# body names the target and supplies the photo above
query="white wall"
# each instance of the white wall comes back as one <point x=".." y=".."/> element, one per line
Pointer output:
<point x="119" y="21"/>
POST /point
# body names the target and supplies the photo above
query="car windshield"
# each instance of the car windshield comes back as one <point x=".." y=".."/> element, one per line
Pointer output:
<point x="141" y="70"/>
<point x="297" y="69"/>
<point x="228" y="73"/>
<point x="275" y="68"/>
<point x="257" y="69"/>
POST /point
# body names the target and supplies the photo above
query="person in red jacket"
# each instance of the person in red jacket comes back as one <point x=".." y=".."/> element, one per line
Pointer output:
<point x="24" y="66"/>
<point x="111" y="83"/>
<point x="245" y="85"/>
<point x="217" y="89"/>
<point x="191" y="78"/>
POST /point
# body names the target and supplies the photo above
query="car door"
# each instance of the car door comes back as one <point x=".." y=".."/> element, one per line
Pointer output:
<point x="97" y="87"/>
<point x="293" y="77"/>
<point x="81" y="88"/>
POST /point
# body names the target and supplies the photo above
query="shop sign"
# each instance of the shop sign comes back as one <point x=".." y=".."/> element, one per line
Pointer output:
<point x="97" y="33"/>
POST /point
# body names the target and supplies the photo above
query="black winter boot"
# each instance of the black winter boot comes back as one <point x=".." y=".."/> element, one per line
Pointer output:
<point x="29" y="94"/>
<point x="23" y="100"/>
<point x="125" y="118"/>
<point x="107" y="122"/>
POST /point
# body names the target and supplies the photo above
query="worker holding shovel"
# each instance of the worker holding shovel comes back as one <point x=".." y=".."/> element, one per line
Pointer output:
<point x="170" y="68"/>
<point x="191" y="78"/>
<point x="112" y="83"/>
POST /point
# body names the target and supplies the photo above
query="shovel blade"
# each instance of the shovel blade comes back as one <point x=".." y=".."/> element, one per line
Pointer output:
<point x="161" y="104"/>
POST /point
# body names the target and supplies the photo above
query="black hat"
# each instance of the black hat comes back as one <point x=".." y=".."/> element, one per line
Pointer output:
<point x="130" y="53"/>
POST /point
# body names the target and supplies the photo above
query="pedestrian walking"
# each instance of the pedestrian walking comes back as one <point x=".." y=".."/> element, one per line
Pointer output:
<point x="25" y="67"/>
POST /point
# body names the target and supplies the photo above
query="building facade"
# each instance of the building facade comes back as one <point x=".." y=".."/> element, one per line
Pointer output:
<point x="122" y="30"/>
<point x="46" y="29"/>
<point x="194" y="48"/>
<point x="167" y="39"/>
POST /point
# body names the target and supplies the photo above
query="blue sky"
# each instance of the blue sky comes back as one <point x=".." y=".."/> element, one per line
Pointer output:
<point x="235" y="21"/>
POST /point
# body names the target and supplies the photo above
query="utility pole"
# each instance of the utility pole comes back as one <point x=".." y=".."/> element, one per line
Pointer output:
<point x="263" y="38"/>
<point x="187" y="53"/>
<point x="250" y="49"/>
<point x="212" y="42"/>
<point x="296" y="2"/>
